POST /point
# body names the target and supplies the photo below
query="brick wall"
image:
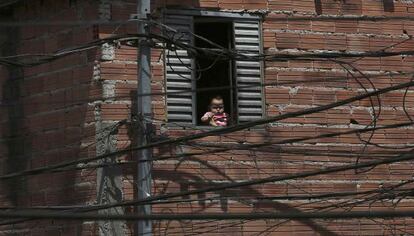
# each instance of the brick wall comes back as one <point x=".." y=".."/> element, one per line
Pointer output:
<point x="47" y="113"/>
<point x="62" y="131"/>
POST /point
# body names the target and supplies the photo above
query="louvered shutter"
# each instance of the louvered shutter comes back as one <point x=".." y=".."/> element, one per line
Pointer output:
<point x="178" y="72"/>
<point x="247" y="41"/>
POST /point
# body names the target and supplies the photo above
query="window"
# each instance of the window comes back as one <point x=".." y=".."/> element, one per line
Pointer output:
<point x="210" y="72"/>
<point x="388" y="5"/>
<point x="240" y="80"/>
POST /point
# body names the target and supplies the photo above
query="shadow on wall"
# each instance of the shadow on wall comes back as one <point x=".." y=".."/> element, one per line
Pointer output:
<point x="17" y="144"/>
<point x="48" y="120"/>
<point x="188" y="181"/>
<point x="183" y="180"/>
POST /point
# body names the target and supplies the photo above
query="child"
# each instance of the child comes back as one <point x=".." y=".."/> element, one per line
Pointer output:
<point x="216" y="116"/>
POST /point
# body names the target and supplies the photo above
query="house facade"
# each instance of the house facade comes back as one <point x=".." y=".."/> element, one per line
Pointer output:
<point x="60" y="112"/>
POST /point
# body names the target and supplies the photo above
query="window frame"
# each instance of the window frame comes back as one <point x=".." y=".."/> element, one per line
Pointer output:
<point x="216" y="16"/>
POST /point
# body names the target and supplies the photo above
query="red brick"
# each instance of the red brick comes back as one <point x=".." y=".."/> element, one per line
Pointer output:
<point x="56" y="105"/>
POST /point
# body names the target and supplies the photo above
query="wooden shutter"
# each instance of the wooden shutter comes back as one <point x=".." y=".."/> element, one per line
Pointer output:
<point x="247" y="40"/>
<point x="179" y="72"/>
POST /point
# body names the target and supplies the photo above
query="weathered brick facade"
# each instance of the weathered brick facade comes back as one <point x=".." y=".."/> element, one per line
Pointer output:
<point x="72" y="108"/>
<point x="47" y="112"/>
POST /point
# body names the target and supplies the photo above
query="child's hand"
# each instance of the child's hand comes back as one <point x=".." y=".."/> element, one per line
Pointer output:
<point x="207" y="117"/>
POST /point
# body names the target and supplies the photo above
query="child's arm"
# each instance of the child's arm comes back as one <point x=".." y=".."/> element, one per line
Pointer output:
<point x="206" y="117"/>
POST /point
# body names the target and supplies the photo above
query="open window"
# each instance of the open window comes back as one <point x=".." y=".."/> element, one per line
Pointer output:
<point x="189" y="77"/>
<point x="213" y="73"/>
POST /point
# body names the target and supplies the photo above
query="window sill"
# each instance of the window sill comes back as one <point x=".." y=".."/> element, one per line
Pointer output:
<point x="192" y="127"/>
<point x="186" y="126"/>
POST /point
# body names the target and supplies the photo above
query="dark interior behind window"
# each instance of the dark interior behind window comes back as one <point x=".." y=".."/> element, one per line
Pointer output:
<point x="211" y="72"/>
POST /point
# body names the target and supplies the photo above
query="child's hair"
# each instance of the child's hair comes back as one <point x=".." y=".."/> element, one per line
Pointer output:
<point x="217" y="97"/>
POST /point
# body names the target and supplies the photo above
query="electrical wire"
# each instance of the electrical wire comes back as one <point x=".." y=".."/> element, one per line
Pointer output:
<point x="222" y="216"/>
<point x="224" y="54"/>
<point x="219" y="187"/>
<point x="213" y="132"/>
<point x="289" y="17"/>
<point x="407" y="88"/>
<point x="215" y="88"/>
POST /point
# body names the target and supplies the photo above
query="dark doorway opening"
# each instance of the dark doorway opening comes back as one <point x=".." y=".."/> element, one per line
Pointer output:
<point x="212" y="72"/>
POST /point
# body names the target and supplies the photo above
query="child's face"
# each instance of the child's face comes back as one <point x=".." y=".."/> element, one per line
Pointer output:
<point x="216" y="106"/>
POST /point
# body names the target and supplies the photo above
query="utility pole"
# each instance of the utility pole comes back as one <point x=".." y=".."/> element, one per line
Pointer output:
<point x="144" y="227"/>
